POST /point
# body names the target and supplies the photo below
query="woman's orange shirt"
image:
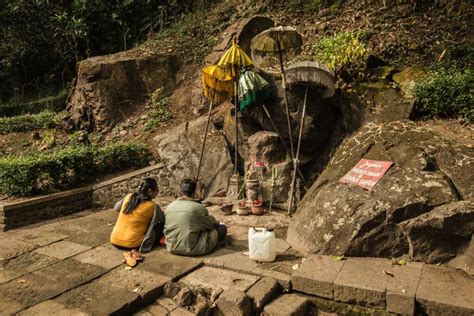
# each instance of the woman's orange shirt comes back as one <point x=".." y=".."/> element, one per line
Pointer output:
<point x="130" y="229"/>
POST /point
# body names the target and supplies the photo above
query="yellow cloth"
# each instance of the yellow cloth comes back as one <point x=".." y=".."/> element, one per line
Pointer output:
<point x="130" y="229"/>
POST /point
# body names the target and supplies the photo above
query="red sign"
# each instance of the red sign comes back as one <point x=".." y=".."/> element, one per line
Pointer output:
<point x="366" y="173"/>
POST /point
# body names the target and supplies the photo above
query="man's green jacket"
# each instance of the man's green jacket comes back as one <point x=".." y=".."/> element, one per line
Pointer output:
<point x="189" y="229"/>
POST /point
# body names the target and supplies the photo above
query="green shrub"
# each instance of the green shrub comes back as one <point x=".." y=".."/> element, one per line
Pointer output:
<point x="28" y="122"/>
<point x="121" y="155"/>
<point x="344" y="49"/>
<point x="55" y="103"/>
<point x="446" y="94"/>
<point x="46" y="172"/>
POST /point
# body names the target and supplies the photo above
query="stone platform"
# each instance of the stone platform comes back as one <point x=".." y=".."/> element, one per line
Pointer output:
<point x="69" y="267"/>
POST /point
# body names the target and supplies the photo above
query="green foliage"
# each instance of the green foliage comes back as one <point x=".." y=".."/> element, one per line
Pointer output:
<point x="42" y="40"/>
<point x="345" y="49"/>
<point x="53" y="103"/>
<point x="160" y="110"/>
<point x="28" y="122"/>
<point x="121" y="155"/>
<point x="46" y="172"/>
<point x="446" y="94"/>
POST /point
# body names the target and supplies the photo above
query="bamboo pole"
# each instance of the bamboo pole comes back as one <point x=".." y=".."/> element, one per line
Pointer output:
<point x="283" y="81"/>
<point x="196" y="178"/>
<point x="295" y="162"/>
<point x="236" y="151"/>
<point x="283" y="142"/>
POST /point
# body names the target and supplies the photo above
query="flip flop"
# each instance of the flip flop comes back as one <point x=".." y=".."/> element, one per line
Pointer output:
<point x="129" y="260"/>
<point x="136" y="255"/>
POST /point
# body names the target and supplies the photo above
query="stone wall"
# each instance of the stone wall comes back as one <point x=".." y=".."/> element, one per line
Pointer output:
<point x="109" y="192"/>
<point x="16" y="214"/>
<point x="105" y="194"/>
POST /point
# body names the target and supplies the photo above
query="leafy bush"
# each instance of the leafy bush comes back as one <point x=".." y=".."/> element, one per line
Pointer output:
<point x="55" y="103"/>
<point x="121" y="155"/>
<point x="345" y="49"/>
<point x="45" y="172"/>
<point x="446" y="94"/>
<point x="28" y="122"/>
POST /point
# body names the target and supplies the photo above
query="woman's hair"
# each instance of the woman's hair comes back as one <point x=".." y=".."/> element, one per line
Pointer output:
<point x="143" y="194"/>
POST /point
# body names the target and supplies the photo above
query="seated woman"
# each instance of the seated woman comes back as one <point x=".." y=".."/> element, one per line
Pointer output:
<point x="189" y="229"/>
<point x="140" y="220"/>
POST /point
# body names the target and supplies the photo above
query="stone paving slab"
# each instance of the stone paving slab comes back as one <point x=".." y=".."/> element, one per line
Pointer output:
<point x="108" y="216"/>
<point x="103" y="256"/>
<point x="41" y="238"/>
<point x="62" y="249"/>
<point x="444" y="291"/>
<point x="160" y="261"/>
<point x="23" y="264"/>
<point x="263" y="291"/>
<point x="51" y="308"/>
<point x="67" y="228"/>
<point x="167" y="303"/>
<point x="283" y="279"/>
<point x="181" y="312"/>
<point x="71" y="273"/>
<point x="31" y="289"/>
<point x="316" y="276"/>
<point x="214" y="278"/>
<point x="230" y="259"/>
<point x="363" y="281"/>
<point x="99" y="299"/>
<point x="147" y="285"/>
<point x="153" y="310"/>
<point x="12" y="248"/>
<point x="96" y="237"/>
<point x="288" y="305"/>
<point x="9" y="306"/>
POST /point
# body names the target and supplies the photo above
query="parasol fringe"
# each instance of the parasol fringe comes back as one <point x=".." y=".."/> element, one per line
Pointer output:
<point x="313" y="73"/>
<point x="266" y="41"/>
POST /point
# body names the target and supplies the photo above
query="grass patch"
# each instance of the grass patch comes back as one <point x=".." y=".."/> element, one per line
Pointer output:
<point x="28" y="122"/>
<point x="160" y="110"/>
<point x="46" y="172"/>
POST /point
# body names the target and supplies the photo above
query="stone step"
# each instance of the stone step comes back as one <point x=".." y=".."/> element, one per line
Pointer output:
<point x="378" y="283"/>
<point x="287" y="304"/>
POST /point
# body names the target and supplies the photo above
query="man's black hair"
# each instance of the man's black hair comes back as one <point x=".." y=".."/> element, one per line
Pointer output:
<point x="188" y="186"/>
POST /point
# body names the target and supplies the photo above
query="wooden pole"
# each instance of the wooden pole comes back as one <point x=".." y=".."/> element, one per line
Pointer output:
<point x="283" y="81"/>
<point x="196" y="178"/>
<point x="236" y="151"/>
<point x="295" y="162"/>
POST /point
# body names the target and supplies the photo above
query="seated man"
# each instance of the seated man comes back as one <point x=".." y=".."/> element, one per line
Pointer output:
<point x="189" y="229"/>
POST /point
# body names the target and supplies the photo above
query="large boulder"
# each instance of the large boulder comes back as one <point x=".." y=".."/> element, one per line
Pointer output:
<point x="179" y="149"/>
<point x="436" y="236"/>
<point x="109" y="87"/>
<point x="336" y="218"/>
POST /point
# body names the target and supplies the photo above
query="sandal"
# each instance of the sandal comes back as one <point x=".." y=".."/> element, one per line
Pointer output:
<point x="129" y="259"/>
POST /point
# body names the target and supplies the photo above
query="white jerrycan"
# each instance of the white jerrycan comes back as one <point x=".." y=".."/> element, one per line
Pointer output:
<point x="262" y="244"/>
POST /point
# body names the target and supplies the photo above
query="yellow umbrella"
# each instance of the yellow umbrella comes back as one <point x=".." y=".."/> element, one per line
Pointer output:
<point x="217" y="87"/>
<point x="234" y="59"/>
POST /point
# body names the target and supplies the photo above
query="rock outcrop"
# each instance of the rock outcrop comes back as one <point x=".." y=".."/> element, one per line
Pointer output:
<point x="108" y="87"/>
<point x="179" y="150"/>
<point x="419" y="194"/>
